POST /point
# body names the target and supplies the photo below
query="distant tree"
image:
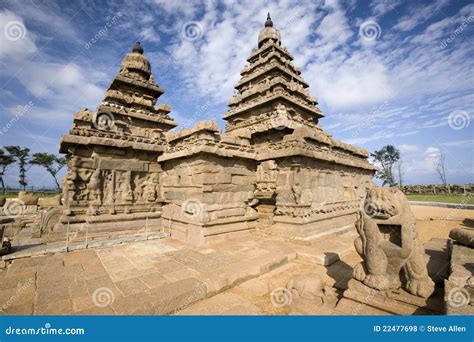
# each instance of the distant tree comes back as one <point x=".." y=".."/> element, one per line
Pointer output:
<point x="21" y="156"/>
<point x="5" y="161"/>
<point x="439" y="165"/>
<point x="386" y="157"/>
<point x="53" y="164"/>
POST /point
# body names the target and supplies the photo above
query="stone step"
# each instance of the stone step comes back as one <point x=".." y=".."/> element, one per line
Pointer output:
<point x="236" y="273"/>
<point x="328" y="251"/>
<point x="58" y="247"/>
<point x="326" y="233"/>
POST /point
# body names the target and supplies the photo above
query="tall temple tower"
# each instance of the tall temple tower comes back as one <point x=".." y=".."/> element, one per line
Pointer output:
<point x="113" y="175"/>
<point x="308" y="184"/>
<point x="271" y="95"/>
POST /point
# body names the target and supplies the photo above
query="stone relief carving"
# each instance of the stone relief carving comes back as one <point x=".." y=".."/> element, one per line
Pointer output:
<point x="267" y="173"/>
<point x="150" y="188"/>
<point x="94" y="190"/>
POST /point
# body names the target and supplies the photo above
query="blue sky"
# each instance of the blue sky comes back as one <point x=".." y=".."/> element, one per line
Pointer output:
<point x="384" y="71"/>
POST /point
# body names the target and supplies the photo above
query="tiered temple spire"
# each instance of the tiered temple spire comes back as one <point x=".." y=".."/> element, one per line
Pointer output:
<point x="271" y="93"/>
<point x="134" y="92"/>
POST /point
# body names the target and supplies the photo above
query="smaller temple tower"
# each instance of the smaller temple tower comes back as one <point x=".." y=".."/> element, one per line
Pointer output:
<point x="113" y="178"/>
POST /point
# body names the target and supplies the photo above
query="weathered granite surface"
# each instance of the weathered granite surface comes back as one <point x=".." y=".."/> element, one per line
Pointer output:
<point x="389" y="245"/>
<point x="464" y="236"/>
<point x="459" y="287"/>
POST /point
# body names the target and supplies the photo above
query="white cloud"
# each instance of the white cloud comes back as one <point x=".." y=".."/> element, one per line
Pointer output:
<point x="359" y="81"/>
<point x="418" y="15"/>
<point x="61" y="83"/>
<point x="15" y="39"/>
<point x="405" y="148"/>
<point x="432" y="153"/>
<point x="150" y="35"/>
<point x="381" y="7"/>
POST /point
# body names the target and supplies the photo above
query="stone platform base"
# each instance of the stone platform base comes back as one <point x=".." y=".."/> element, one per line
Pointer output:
<point x="94" y="229"/>
<point x="307" y="232"/>
<point x="193" y="231"/>
<point x="360" y="299"/>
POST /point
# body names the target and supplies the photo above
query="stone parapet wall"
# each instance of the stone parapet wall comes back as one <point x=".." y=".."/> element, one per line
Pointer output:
<point x="209" y="186"/>
<point x="436" y="189"/>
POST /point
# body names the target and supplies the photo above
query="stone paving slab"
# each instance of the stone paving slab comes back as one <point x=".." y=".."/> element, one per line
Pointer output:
<point x="38" y="249"/>
<point x="158" y="276"/>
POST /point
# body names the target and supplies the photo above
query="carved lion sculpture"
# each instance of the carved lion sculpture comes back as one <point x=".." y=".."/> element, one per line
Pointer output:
<point x="388" y="243"/>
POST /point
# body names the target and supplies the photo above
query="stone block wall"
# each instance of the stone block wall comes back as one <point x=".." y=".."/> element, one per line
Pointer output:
<point x="437" y="189"/>
<point x="109" y="189"/>
<point x="313" y="196"/>
<point x="209" y="198"/>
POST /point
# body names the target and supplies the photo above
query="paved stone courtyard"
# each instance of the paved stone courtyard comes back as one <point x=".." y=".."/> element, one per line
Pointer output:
<point x="164" y="276"/>
<point x="149" y="277"/>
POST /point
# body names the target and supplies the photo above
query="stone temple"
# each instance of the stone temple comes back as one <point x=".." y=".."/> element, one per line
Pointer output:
<point x="273" y="171"/>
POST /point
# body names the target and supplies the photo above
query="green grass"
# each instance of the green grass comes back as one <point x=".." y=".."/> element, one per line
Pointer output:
<point x="38" y="194"/>
<point x="442" y="198"/>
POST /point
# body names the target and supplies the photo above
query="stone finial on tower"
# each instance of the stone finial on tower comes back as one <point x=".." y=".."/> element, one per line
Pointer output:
<point x="269" y="22"/>
<point x="137" y="48"/>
